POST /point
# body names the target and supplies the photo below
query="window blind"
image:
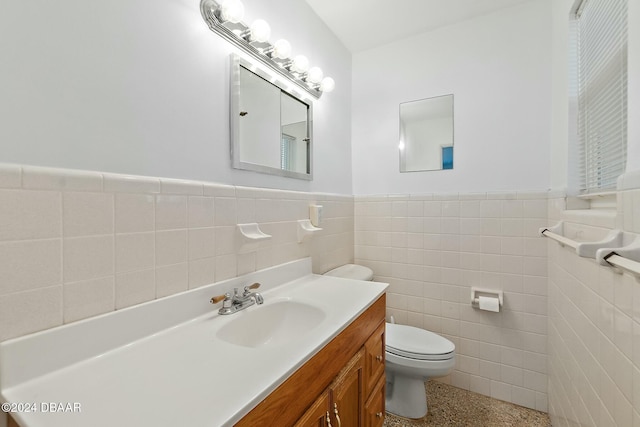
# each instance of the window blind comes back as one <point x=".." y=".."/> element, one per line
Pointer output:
<point x="287" y="146"/>
<point x="602" y="92"/>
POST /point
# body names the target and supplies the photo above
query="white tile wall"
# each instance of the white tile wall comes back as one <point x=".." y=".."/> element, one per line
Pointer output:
<point x="433" y="248"/>
<point x="77" y="244"/>
<point x="594" y="327"/>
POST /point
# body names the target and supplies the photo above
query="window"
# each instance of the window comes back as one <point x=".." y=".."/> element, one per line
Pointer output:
<point x="600" y="56"/>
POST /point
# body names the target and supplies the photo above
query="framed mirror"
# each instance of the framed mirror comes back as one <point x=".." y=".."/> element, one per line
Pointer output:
<point x="426" y="134"/>
<point x="271" y="127"/>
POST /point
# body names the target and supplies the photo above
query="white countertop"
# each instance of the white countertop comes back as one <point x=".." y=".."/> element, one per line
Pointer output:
<point x="181" y="374"/>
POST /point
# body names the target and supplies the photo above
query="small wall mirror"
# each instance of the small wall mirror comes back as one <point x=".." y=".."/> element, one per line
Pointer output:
<point x="270" y="127"/>
<point x="426" y="134"/>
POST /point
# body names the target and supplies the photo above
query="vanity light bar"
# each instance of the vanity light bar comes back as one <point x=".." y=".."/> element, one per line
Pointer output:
<point x="225" y="19"/>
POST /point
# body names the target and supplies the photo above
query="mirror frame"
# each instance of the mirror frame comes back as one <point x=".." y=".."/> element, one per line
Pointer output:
<point x="236" y="63"/>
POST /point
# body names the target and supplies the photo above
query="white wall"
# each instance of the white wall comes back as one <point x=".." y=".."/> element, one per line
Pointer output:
<point x="497" y="67"/>
<point x="142" y="88"/>
<point x="560" y="93"/>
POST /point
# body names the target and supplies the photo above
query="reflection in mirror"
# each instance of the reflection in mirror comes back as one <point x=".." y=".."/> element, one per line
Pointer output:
<point x="426" y="134"/>
<point x="270" y="127"/>
<point x="295" y="145"/>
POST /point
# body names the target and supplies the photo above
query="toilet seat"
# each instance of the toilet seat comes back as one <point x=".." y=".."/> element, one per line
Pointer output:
<point x="416" y="343"/>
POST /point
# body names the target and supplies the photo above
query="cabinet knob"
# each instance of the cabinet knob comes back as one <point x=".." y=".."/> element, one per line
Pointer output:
<point x="379" y="358"/>
<point x="379" y="414"/>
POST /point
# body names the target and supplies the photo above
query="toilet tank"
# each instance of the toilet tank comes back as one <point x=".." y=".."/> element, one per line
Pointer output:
<point x="352" y="271"/>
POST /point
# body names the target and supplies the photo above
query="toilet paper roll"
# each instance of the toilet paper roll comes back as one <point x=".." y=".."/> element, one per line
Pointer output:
<point x="489" y="304"/>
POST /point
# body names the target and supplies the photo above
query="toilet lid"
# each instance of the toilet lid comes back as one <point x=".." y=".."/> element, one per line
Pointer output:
<point x="416" y="343"/>
<point x="352" y="271"/>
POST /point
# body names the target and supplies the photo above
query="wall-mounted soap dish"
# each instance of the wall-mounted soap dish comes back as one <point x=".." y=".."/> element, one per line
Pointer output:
<point x="306" y="229"/>
<point x="250" y="236"/>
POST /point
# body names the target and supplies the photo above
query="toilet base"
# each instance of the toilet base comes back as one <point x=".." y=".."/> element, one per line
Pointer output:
<point x="406" y="396"/>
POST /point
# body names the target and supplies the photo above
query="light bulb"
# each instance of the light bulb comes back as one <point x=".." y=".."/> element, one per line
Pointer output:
<point x="401" y="145"/>
<point x="315" y="75"/>
<point x="327" y="85"/>
<point x="300" y="64"/>
<point x="260" y="31"/>
<point x="282" y="49"/>
<point x="232" y="11"/>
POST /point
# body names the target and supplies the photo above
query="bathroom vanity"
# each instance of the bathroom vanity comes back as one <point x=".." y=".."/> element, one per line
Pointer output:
<point x="315" y="346"/>
<point x="343" y="384"/>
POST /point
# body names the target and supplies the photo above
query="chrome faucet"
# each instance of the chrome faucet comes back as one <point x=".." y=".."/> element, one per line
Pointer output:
<point x="237" y="301"/>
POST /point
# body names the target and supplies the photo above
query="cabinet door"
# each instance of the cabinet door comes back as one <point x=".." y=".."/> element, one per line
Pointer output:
<point x="317" y="415"/>
<point x="347" y="394"/>
<point x="374" y="408"/>
<point x="374" y="359"/>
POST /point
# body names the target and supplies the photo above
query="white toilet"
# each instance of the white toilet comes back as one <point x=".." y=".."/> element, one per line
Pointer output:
<point x="412" y="356"/>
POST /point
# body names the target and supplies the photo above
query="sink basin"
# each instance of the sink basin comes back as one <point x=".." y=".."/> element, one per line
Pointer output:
<point x="272" y="324"/>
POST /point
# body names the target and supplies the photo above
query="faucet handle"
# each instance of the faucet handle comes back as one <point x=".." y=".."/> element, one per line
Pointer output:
<point x="219" y="298"/>
<point x="247" y="289"/>
<point x="254" y="286"/>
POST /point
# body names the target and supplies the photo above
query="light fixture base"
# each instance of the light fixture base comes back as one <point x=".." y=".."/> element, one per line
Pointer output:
<point x="232" y="33"/>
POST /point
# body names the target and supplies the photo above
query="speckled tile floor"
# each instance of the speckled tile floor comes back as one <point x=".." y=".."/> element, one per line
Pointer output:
<point x="453" y="407"/>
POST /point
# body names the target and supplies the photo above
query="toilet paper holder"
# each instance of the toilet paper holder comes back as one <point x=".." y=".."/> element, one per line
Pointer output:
<point x="476" y="293"/>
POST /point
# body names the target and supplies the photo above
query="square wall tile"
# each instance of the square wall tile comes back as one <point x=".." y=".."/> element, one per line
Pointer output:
<point x="30" y="214"/>
<point x="171" y="279"/>
<point x="135" y="288"/>
<point x="171" y="212"/>
<point x="226" y="239"/>
<point x="246" y="263"/>
<point x="171" y="247"/>
<point x="88" y="299"/>
<point x="246" y="210"/>
<point x="512" y="209"/>
<point x="134" y="213"/>
<point x="225" y="211"/>
<point x="135" y="251"/>
<point x="88" y="258"/>
<point x="201" y="212"/>
<point x="31" y="264"/>
<point x="203" y="272"/>
<point x="201" y="243"/>
<point x="87" y="214"/>
<point x="226" y="267"/>
<point x="26" y="312"/>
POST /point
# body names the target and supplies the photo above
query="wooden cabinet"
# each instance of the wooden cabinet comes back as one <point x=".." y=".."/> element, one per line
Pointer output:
<point x="375" y="378"/>
<point x="374" y="358"/>
<point x="342" y="402"/>
<point x="347" y="393"/>
<point x="10" y="421"/>
<point x="318" y="414"/>
<point x="346" y="376"/>
<point x="374" y="407"/>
